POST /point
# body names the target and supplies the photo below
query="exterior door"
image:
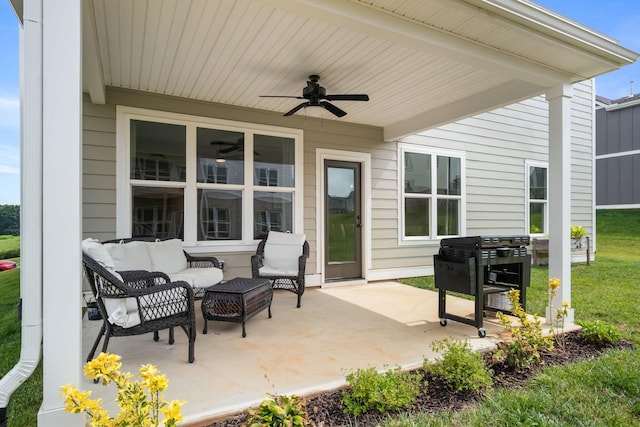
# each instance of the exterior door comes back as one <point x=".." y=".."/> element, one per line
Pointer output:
<point x="343" y="232"/>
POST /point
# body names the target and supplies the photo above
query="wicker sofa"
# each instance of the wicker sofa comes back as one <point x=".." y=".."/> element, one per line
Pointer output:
<point x="144" y="285"/>
<point x="139" y="302"/>
<point x="167" y="256"/>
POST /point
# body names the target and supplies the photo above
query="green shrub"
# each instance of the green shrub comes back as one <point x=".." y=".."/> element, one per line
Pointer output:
<point x="276" y="411"/>
<point x="578" y="232"/>
<point x="388" y="391"/>
<point x="460" y="367"/>
<point x="527" y="338"/>
<point x="600" y="332"/>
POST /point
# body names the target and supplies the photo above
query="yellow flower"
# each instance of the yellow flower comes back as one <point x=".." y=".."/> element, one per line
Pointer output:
<point x="173" y="410"/>
<point x="554" y="283"/>
<point x="105" y="367"/>
<point x="565" y="304"/>
<point x="148" y="370"/>
<point x="138" y="401"/>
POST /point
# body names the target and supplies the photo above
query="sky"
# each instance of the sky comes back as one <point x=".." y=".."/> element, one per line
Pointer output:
<point x="619" y="19"/>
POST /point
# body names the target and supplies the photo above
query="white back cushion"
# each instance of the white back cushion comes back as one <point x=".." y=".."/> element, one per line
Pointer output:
<point x="281" y="253"/>
<point x="99" y="253"/>
<point x="130" y="256"/>
<point x="167" y="256"/>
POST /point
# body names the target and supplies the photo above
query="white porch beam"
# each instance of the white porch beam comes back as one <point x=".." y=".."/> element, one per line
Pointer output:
<point x="61" y="197"/>
<point x="458" y="110"/>
<point x="559" y="99"/>
<point x="93" y="78"/>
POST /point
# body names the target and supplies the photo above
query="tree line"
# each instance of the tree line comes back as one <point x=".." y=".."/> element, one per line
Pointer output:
<point x="10" y="220"/>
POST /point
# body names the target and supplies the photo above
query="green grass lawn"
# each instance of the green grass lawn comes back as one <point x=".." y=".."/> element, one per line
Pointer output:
<point x="9" y="247"/>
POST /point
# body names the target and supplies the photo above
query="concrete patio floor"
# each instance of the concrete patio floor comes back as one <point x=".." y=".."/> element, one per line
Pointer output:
<point x="299" y="350"/>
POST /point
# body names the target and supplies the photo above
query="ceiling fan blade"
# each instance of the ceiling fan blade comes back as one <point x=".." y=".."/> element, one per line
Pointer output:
<point x="230" y="149"/>
<point x="281" y="96"/>
<point x="298" y="107"/>
<point x="333" y="109"/>
<point x="347" y="97"/>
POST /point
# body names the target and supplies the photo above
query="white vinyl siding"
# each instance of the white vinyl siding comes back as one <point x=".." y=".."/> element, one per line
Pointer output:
<point x="495" y="144"/>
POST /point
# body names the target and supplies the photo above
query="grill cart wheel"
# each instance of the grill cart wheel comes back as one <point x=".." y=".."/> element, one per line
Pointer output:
<point x="443" y="322"/>
<point x="482" y="333"/>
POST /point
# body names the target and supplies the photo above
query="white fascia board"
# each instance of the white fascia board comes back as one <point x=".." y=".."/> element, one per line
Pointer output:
<point x="485" y="101"/>
<point x="560" y="27"/>
<point x="622" y="105"/>
<point x="92" y="76"/>
<point x="376" y="23"/>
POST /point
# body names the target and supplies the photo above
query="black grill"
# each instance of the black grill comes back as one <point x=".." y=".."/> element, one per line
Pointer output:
<point x="479" y="266"/>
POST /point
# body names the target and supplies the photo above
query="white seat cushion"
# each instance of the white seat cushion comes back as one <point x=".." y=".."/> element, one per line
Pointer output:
<point x="167" y="256"/>
<point x="130" y="256"/>
<point x="198" y="277"/>
<point x="122" y="311"/>
<point x="281" y="253"/>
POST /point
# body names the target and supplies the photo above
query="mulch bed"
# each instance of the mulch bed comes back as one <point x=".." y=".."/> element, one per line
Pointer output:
<point x="327" y="410"/>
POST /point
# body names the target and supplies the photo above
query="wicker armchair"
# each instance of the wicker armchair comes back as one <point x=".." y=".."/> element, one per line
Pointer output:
<point x="152" y="303"/>
<point x="289" y="276"/>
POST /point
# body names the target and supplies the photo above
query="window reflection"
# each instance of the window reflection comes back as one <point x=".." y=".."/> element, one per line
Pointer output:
<point x="417" y="173"/>
<point x="157" y="151"/>
<point x="158" y="212"/>
<point x="219" y="215"/>
<point x="272" y="211"/>
<point x="220" y="156"/>
<point x="274" y="159"/>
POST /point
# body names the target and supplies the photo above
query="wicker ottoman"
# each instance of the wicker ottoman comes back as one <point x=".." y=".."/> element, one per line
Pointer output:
<point x="236" y="301"/>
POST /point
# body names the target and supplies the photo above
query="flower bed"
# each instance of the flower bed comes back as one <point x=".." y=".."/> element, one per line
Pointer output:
<point x="327" y="409"/>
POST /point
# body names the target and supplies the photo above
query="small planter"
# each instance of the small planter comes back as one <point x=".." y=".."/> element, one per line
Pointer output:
<point x="92" y="311"/>
<point x="577" y="244"/>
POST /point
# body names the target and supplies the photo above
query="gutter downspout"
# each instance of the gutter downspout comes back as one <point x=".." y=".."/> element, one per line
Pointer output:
<point x="31" y="204"/>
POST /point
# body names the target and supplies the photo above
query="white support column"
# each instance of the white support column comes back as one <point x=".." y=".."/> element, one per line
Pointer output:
<point x="61" y="199"/>
<point x="559" y="99"/>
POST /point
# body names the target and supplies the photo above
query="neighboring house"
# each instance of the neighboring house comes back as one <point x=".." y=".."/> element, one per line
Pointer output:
<point x="618" y="152"/>
<point x="480" y="121"/>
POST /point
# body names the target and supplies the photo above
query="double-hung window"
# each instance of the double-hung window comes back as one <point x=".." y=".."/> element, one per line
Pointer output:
<point x="537" y="198"/>
<point x="206" y="181"/>
<point x="432" y="193"/>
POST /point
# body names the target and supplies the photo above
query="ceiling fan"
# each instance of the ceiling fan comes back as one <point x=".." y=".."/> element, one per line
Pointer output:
<point x="231" y="147"/>
<point x="316" y="96"/>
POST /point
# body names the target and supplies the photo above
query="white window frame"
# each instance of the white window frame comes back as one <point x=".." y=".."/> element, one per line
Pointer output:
<point x="124" y="183"/>
<point x="527" y="211"/>
<point x="432" y="238"/>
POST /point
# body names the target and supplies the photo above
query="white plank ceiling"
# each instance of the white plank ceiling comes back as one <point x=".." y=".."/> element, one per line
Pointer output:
<point x="414" y="58"/>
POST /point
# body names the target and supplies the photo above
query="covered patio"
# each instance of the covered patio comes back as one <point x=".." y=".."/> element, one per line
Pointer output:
<point x="297" y="351"/>
<point x="423" y="64"/>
